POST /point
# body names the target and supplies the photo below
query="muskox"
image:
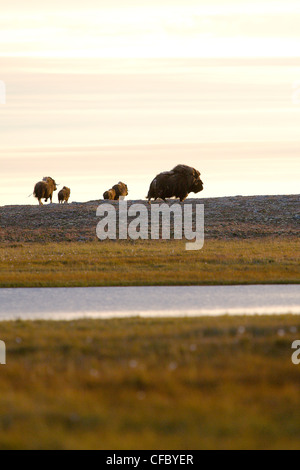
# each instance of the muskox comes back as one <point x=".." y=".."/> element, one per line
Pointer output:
<point x="64" y="195"/>
<point x="110" y="194"/>
<point x="116" y="192"/>
<point x="44" y="189"/>
<point x="178" y="183"/>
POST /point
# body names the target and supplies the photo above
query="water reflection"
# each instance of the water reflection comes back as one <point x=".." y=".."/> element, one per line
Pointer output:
<point x="113" y="302"/>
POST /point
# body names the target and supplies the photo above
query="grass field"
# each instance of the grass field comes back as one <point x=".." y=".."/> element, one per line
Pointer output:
<point x="202" y="383"/>
<point x="193" y="383"/>
<point x="149" y="263"/>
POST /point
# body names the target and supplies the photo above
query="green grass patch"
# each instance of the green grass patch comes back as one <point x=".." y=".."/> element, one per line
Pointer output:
<point x="149" y="263"/>
<point x="194" y="383"/>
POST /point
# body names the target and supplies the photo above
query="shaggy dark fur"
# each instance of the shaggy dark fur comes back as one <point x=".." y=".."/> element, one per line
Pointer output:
<point x="44" y="189"/>
<point x="116" y="191"/>
<point x="110" y="194"/>
<point x="178" y="183"/>
<point x="64" y="195"/>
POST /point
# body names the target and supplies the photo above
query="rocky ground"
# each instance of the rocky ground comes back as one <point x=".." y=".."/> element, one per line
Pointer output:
<point x="225" y="218"/>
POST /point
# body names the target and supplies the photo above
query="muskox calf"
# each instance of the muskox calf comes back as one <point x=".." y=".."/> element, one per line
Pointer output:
<point x="178" y="183"/>
<point x="110" y="194"/>
<point x="116" y="192"/>
<point x="64" y="195"/>
<point x="44" y="189"/>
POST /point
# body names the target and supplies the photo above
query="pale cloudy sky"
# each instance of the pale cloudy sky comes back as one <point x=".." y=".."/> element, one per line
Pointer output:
<point x="151" y="28"/>
<point x="102" y="91"/>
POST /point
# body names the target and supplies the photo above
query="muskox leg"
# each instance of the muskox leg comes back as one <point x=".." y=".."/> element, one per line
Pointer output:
<point x="40" y="203"/>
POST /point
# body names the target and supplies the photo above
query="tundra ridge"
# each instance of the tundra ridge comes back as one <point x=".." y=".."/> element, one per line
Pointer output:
<point x="236" y="217"/>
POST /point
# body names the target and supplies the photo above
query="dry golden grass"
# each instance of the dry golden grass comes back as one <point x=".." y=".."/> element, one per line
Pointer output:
<point x="201" y="383"/>
<point x="149" y="263"/>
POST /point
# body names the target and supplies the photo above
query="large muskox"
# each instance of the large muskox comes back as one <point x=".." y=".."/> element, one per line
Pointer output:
<point x="64" y="195"/>
<point x="178" y="183"/>
<point x="44" y="189"/>
<point x="116" y="191"/>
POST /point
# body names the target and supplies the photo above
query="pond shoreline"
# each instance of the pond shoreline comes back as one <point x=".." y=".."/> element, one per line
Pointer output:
<point x="147" y="302"/>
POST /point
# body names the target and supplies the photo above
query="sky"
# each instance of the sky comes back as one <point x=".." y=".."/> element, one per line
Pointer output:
<point x="152" y="28"/>
<point x="96" y="92"/>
